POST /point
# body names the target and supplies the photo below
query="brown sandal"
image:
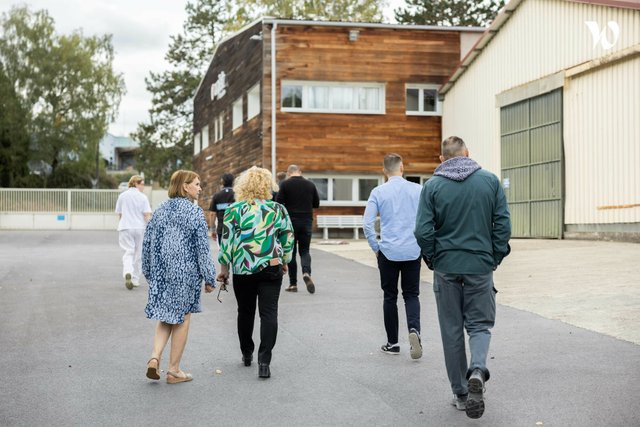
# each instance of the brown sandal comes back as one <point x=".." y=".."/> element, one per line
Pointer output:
<point x="153" y="372"/>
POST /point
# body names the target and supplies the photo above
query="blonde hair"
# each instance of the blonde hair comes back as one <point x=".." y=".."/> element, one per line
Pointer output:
<point x="178" y="179"/>
<point x="254" y="183"/>
<point x="135" y="180"/>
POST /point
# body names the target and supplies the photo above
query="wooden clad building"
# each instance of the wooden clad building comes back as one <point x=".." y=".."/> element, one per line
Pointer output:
<point x="331" y="97"/>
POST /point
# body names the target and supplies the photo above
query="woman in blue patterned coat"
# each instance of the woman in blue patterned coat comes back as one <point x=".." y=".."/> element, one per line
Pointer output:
<point x="176" y="259"/>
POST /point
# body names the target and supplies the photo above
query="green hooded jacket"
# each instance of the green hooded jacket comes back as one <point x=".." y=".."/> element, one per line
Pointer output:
<point x="463" y="225"/>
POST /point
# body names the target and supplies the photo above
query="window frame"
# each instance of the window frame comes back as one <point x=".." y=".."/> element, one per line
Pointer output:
<point x="204" y="142"/>
<point x="196" y="144"/>
<point x="355" y="189"/>
<point x="422" y="177"/>
<point x="218" y="122"/>
<point x="307" y="86"/>
<point x="421" y="87"/>
<point x="254" y="93"/>
<point x="234" y="108"/>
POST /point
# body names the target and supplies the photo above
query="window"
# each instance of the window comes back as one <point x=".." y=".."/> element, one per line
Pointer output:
<point x="344" y="190"/>
<point x="218" y="127"/>
<point x="292" y="96"/>
<point x="418" y="179"/>
<point x="333" y="97"/>
<point x="365" y="185"/>
<point x="237" y="113"/>
<point x="205" y="137"/>
<point x="319" y="97"/>
<point x="196" y="144"/>
<point x="322" y="185"/>
<point x="253" y="102"/>
<point x="422" y="100"/>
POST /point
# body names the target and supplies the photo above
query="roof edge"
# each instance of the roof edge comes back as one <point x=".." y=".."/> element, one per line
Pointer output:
<point x="369" y="25"/>
<point x="502" y="17"/>
<point x="624" y="4"/>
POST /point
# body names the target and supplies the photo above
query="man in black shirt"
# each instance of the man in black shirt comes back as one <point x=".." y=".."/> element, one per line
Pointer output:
<point x="300" y="197"/>
<point x="221" y="200"/>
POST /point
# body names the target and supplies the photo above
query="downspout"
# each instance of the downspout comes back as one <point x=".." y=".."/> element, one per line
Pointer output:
<point x="273" y="99"/>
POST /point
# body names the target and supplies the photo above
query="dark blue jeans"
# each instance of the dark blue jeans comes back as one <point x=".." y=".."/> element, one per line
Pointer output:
<point x="264" y="287"/>
<point x="410" y="283"/>
<point x="465" y="301"/>
<point x="302" y="234"/>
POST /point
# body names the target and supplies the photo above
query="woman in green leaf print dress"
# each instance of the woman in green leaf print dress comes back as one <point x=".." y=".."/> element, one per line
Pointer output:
<point x="257" y="242"/>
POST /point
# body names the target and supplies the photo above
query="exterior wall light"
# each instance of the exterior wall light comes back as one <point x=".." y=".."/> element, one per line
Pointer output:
<point x="353" y="35"/>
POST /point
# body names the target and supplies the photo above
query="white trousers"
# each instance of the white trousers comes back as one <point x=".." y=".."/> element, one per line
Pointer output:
<point x="131" y="242"/>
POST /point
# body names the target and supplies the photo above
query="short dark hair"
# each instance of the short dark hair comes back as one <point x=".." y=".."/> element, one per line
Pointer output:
<point x="227" y="179"/>
<point x="391" y="162"/>
<point x="453" y="147"/>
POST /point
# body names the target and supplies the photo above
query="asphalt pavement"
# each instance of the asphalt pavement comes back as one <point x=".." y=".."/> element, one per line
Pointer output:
<point x="74" y="343"/>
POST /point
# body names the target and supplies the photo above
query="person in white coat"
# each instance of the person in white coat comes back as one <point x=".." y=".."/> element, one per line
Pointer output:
<point x="134" y="211"/>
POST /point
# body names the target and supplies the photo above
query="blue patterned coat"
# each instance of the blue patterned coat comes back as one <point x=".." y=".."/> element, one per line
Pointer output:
<point x="176" y="259"/>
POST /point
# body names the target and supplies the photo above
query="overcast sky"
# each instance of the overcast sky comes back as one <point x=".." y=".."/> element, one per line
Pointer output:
<point x="141" y="30"/>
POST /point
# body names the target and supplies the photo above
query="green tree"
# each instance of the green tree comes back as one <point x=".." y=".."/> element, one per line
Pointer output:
<point x="14" y="140"/>
<point x="317" y="10"/>
<point x="66" y="85"/>
<point x="458" y="13"/>
<point x="166" y="140"/>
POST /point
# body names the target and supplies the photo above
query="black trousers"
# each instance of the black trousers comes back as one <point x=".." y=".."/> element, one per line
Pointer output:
<point x="410" y="283"/>
<point x="263" y="287"/>
<point x="302" y="234"/>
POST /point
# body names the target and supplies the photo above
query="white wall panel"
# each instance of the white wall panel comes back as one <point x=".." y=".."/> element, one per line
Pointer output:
<point x="541" y="38"/>
<point x="602" y="145"/>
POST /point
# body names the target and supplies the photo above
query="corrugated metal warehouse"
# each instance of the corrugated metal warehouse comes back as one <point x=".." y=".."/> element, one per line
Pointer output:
<point x="549" y="99"/>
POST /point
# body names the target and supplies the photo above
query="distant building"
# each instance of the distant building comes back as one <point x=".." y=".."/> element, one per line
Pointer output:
<point x="118" y="152"/>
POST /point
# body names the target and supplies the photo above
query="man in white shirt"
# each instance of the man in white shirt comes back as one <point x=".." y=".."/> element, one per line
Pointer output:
<point x="134" y="211"/>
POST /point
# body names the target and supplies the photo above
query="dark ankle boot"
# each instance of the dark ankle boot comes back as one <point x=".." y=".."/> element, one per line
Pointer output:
<point x="264" y="371"/>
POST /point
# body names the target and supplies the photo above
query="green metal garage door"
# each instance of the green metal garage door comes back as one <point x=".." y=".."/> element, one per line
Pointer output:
<point x="532" y="165"/>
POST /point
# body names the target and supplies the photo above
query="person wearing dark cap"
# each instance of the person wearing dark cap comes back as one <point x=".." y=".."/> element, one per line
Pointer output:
<point x="221" y="200"/>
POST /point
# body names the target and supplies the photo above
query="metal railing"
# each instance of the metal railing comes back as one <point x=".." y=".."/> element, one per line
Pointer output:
<point x="30" y="200"/>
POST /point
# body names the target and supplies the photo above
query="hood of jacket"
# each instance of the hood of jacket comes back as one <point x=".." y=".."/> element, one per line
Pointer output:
<point x="457" y="168"/>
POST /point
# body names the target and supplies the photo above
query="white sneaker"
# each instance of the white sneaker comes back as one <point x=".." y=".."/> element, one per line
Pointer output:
<point x="136" y="284"/>
<point x="416" y="344"/>
<point x="460" y="402"/>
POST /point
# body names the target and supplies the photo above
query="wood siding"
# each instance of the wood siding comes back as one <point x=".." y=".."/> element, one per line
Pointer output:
<point x="241" y="60"/>
<point x="356" y="143"/>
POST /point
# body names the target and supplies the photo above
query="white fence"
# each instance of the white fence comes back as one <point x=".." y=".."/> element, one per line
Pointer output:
<point x="63" y="209"/>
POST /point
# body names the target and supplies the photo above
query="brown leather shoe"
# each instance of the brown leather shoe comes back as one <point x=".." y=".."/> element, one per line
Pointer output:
<point x="292" y="288"/>
<point x="307" y="281"/>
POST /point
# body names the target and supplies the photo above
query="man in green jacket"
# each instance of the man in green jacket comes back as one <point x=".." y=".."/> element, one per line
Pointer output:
<point x="463" y="229"/>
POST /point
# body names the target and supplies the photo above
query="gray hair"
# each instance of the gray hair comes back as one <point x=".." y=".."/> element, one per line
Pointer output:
<point x="293" y="169"/>
<point x="392" y="162"/>
<point x="453" y="147"/>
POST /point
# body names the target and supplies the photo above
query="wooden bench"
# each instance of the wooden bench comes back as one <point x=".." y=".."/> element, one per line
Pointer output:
<point x="339" y="221"/>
